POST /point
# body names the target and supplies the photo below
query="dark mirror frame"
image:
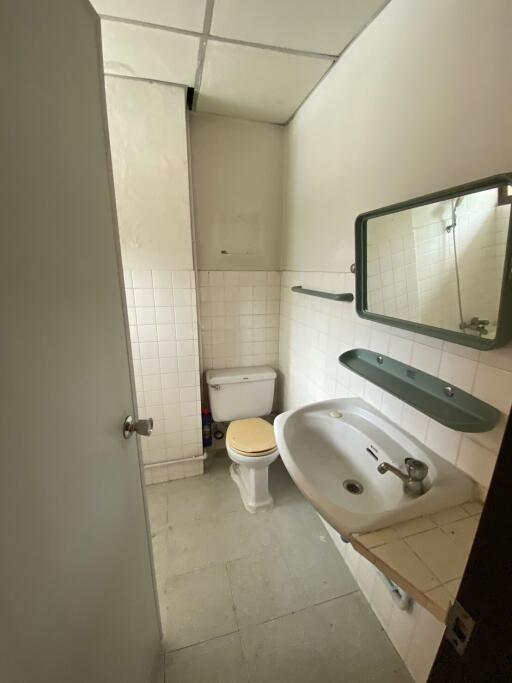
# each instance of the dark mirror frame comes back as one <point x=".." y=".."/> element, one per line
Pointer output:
<point x="504" y="327"/>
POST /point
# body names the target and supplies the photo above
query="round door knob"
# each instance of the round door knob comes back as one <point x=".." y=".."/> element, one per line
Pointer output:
<point x="141" y="427"/>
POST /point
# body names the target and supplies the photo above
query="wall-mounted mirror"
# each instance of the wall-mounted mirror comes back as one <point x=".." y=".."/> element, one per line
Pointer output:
<point x="440" y="264"/>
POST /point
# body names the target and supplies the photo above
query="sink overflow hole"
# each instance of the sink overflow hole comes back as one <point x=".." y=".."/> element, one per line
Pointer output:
<point x="374" y="456"/>
<point x="353" y="486"/>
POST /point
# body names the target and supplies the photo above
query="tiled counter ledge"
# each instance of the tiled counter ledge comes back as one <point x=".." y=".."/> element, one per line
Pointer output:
<point x="425" y="556"/>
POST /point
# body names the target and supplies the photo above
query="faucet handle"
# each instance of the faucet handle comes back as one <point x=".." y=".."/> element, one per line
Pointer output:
<point x="416" y="469"/>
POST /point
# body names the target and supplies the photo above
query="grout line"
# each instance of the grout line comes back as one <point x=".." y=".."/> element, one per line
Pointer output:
<point x="273" y="619"/>
<point x="200" y="642"/>
<point x="233" y="605"/>
<point x="201" y="53"/>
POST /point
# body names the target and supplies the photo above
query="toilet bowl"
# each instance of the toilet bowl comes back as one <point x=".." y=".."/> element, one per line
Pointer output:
<point x="241" y="396"/>
<point x="251" y="445"/>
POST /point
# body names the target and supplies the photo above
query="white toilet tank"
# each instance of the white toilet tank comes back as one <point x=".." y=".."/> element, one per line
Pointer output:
<point x="237" y="393"/>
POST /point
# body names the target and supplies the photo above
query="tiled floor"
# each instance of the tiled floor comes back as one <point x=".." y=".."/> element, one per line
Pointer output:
<point x="258" y="598"/>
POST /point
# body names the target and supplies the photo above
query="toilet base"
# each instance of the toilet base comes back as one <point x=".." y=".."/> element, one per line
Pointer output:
<point x="253" y="486"/>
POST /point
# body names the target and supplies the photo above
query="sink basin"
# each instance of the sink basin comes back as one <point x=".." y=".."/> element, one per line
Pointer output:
<point x="332" y="449"/>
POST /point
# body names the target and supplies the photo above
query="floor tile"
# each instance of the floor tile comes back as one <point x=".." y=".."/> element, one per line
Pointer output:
<point x="198" y="543"/>
<point x="281" y="485"/>
<point x="205" y="496"/>
<point x="263" y="588"/>
<point x="158" y="673"/>
<point x="159" y="543"/>
<point x="220" y="660"/>
<point x="340" y="640"/>
<point x="310" y="553"/>
<point x="275" y="575"/>
<point x="157" y="509"/>
<point x="198" y="606"/>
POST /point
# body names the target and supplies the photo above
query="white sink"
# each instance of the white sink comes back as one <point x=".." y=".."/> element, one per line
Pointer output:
<point x="321" y="452"/>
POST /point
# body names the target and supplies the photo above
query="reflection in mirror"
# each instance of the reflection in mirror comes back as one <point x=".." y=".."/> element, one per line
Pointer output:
<point x="441" y="264"/>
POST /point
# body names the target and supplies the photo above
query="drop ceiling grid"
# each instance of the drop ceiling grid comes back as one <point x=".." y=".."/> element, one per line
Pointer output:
<point x="281" y="75"/>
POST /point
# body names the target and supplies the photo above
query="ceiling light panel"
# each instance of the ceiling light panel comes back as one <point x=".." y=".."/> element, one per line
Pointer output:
<point x="130" y="50"/>
<point x="254" y="83"/>
<point x="321" y="26"/>
<point x="182" y="14"/>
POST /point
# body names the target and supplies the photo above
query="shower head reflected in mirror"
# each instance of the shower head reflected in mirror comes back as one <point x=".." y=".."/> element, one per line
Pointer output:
<point x="455" y="204"/>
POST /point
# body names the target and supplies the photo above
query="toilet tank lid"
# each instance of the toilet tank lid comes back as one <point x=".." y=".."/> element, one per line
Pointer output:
<point x="238" y="375"/>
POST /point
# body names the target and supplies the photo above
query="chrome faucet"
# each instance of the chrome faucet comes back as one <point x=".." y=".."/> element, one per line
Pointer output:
<point x="412" y="480"/>
<point x="477" y="325"/>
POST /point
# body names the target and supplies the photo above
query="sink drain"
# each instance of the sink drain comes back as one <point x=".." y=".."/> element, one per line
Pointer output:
<point x="353" y="486"/>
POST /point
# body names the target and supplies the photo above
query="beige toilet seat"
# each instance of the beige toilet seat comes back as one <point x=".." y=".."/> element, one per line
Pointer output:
<point x="252" y="437"/>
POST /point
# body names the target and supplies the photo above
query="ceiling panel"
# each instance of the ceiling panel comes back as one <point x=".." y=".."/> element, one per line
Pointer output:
<point x="182" y="14"/>
<point x="158" y="54"/>
<point x="323" y="26"/>
<point x="252" y="83"/>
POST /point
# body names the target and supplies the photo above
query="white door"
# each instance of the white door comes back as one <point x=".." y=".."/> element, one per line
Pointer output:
<point x="77" y="600"/>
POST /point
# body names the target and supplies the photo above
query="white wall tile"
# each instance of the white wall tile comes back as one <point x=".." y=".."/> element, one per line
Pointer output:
<point x="414" y="422"/>
<point x="476" y="461"/>
<point x="239" y="318"/>
<point x="443" y="440"/>
<point x="145" y="315"/>
<point x="144" y="297"/>
<point x="164" y="315"/>
<point x="494" y="386"/>
<point x="167" y="390"/>
<point x="147" y="333"/>
<point x="142" y="279"/>
<point x="163" y="297"/>
<point x="181" y="279"/>
<point x="162" y="279"/>
<point x="426" y="358"/>
<point x="424" y="644"/>
<point x="457" y="370"/>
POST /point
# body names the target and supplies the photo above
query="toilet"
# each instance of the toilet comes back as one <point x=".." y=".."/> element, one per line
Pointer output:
<point x="241" y="396"/>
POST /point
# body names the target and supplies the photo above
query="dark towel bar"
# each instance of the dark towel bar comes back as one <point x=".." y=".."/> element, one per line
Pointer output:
<point x="323" y="295"/>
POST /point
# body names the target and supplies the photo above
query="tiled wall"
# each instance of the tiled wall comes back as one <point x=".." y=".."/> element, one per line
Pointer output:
<point x="313" y="333"/>
<point x="415" y="633"/>
<point x="239" y="318"/>
<point x="163" y="329"/>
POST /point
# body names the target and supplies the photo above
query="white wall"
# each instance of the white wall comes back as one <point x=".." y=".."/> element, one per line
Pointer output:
<point x="418" y="103"/>
<point x="148" y="139"/>
<point x="237" y="189"/>
<point x="148" y="135"/>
